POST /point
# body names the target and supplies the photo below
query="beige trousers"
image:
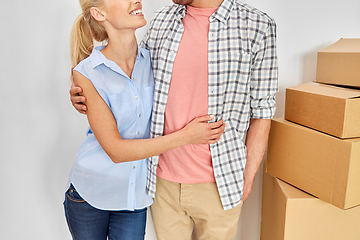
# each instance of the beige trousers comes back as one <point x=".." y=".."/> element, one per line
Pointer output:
<point x="178" y="206"/>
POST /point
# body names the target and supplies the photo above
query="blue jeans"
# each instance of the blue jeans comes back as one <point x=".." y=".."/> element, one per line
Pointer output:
<point x="88" y="223"/>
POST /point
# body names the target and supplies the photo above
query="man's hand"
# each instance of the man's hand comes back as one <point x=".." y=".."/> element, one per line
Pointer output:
<point x="256" y="142"/>
<point x="248" y="184"/>
<point x="77" y="100"/>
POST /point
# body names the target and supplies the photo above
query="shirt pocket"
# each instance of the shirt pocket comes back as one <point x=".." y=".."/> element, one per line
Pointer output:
<point x="235" y="68"/>
<point x="123" y="110"/>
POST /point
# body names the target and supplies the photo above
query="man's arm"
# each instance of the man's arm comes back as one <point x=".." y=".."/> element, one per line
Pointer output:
<point x="263" y="88"/>
<point x="256" y="142"/>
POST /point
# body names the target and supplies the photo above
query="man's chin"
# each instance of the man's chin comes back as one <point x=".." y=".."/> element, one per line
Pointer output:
<point x="183" y="2"/>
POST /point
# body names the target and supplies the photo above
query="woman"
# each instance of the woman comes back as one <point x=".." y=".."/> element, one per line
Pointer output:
<point x="106" y="194"/>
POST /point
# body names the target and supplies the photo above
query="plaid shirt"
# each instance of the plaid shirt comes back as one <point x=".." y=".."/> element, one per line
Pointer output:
<point x="242" y="65"/>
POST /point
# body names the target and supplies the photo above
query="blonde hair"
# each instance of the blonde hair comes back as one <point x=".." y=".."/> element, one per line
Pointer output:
<point x="85" y="30"/>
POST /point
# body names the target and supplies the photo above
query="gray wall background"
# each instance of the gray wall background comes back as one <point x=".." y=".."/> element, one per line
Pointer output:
<point x="40" y="131"/>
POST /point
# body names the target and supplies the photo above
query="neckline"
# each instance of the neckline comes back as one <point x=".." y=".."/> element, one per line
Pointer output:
<point x="200" y="11"/>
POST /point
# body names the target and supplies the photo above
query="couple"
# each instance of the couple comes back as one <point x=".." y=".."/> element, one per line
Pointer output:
<point x="213" y="62"/>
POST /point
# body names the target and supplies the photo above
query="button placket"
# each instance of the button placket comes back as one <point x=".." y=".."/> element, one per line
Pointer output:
<point x="137" y="99"/>
<point x="132" y="187"/>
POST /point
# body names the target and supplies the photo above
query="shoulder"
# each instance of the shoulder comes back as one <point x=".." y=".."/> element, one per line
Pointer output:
<point x="83" y="64"/>
<point x="253" y="14"/>
<point x="169" y="9"/>
<point x="167" y="12"/>
<point x="87" y="69"/>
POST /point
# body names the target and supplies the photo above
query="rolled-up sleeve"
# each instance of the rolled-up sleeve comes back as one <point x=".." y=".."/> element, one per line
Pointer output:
<point x="264" y="76"/>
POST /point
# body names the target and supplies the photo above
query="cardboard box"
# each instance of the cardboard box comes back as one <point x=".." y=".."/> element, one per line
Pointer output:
<point x="291" y="214"/>
<point x="322" y="165"/>
<point x="339" y="63"/>
<point x="330" y="109"/>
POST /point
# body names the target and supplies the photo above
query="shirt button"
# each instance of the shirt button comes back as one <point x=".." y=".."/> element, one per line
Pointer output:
<point x="136" y="97"/>
<point x="134" y="167"/>
<point x="139" y="115"/>
<point x="133" y="79"/>
<point x="138" y="133"/>
<point x="132" y="184"/>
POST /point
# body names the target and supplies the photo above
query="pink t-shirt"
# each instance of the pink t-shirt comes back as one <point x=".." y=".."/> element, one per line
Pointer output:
<point x="188" y="99"/>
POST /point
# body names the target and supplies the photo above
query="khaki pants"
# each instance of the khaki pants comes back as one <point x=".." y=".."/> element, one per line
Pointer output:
<point x="178" y="206"/>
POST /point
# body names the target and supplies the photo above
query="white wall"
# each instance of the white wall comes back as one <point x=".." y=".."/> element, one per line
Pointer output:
<point x="40" y="131"/>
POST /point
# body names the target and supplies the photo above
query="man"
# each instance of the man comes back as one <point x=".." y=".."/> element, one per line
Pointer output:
<point x="209" y="57"/>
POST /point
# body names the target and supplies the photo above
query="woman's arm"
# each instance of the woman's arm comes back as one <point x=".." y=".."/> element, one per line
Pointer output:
<point x="104" y="127"/>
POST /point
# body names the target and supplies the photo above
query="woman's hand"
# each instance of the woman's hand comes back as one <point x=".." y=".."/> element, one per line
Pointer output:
<point x="199" y="131"/>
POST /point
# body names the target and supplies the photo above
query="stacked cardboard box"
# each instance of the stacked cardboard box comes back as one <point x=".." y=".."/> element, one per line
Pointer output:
<point x="316" y="149"/>
<point x="326" y="108"/>
<point x="291" y="214"/>
<point x="339" y="63"/>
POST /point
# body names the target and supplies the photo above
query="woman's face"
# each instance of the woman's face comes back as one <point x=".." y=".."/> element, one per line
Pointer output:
<point x="124" y="14"/>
